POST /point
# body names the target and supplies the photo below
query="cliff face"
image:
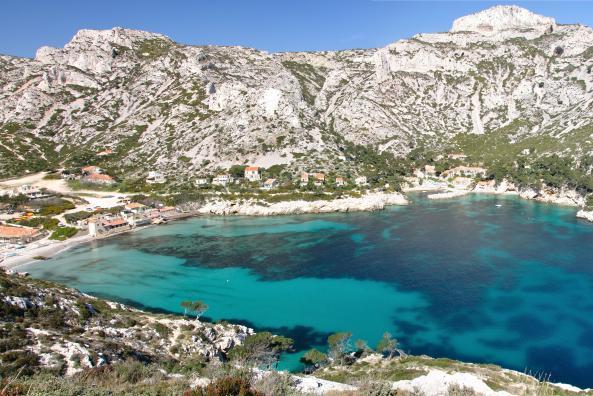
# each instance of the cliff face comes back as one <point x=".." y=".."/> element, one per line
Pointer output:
<point x="185" y="109"/>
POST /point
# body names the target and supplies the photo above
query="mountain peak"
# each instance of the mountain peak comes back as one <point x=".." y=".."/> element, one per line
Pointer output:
<point x="116" y="35"/>
<point x="500" y="18"/>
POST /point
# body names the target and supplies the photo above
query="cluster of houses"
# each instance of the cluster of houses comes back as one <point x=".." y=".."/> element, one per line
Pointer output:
<point x="460" y="176"/>
<point x="254" y="174"/>
<point x="133" y="215"/>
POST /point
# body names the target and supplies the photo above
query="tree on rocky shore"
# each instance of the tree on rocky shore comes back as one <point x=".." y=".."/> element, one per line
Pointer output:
<point x="261" y="350"/>
<point x="387" y="345"/>
<point x="339" y="345"/>
<point x="313" y="359"/>
<point x="198" y="307"/>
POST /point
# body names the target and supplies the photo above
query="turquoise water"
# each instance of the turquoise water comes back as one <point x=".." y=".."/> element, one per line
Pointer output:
<point x="480" y="278"/>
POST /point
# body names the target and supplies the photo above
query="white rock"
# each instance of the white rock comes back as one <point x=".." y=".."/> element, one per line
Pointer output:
<point x="437" y="382"/>
<point x="501" y="18"/>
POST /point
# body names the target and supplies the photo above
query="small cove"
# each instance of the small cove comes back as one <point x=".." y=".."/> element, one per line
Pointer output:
<point x="480" y="278"/>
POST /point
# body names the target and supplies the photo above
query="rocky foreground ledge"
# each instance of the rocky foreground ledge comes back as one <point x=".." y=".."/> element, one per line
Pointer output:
<point x="57" y="341"/>
<point x="368" y="202"/>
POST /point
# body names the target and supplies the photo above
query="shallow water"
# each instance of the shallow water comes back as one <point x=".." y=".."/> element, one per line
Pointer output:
<point x="460" y="278"/>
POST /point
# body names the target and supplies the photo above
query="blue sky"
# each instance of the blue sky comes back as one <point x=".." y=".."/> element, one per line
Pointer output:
<point x="278" y="25"/>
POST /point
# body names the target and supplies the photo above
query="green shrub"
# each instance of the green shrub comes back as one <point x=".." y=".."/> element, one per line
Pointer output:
<point x="63" y="233"/>
<point x="229" y="385"/>
<point x="77" y="216"/>
<point x="48" y="223"/>
<point x="162" y="329"/>
<point x="56" y="208"/>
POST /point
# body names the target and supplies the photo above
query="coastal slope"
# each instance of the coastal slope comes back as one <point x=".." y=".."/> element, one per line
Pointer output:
<point x="56" y="340"/>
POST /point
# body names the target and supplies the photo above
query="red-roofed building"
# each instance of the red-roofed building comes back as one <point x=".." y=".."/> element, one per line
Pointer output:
<point x="99" y="178"/>
<point x="105" y="153"/>
<point x="10" y="234"/>
<point x="167" y="210"/>
<point x="87" y="170"/>
<point x="319" y="178"/>
<point x="252" y="173"/>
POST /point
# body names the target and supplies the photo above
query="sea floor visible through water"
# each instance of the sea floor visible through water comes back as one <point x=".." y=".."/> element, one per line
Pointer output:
<point x="480" y="278"/>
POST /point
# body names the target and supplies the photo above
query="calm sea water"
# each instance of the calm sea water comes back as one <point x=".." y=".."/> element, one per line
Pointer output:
<point x="480" y="278"/>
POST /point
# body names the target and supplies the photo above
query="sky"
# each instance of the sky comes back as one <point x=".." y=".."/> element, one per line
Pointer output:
<point x="272" y="25"/>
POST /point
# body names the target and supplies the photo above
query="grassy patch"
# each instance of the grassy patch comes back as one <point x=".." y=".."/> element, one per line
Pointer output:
<point x="63" y="233"/>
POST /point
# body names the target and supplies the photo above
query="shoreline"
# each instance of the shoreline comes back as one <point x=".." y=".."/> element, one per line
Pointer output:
<point x="367" y="203"/>
<point x="56" y="247"/>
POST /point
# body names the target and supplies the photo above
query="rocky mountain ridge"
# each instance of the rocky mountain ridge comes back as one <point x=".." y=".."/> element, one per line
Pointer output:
<point x="188" y="110"/>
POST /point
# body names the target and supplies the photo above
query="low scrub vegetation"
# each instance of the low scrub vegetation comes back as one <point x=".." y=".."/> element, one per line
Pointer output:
<point x="63" y="233"/>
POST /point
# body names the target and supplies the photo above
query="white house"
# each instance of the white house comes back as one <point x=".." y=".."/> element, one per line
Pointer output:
<point x="361" y="181"/>
<point x="136" y="207"/>
<point x="340" y="181"/>
<point x="304" y="178"/>
<point x="30" y="192"/>
<point x="221" y="180"/>
<point x="319" y="179"/>
<point x="430" y="170"/>
<point x="155" y="178"/>
<point x="270" y="184"/>
<point x="202" y="181"/>
<point x="252" y="173"/>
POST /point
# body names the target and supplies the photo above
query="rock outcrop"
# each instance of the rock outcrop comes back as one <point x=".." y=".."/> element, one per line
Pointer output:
<point x="368" y="202"/>
<point x="67" y="331"/>
<point x="499" y="19"/>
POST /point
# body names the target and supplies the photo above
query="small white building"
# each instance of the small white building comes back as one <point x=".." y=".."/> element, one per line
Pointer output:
<point x="92" y="224"/>
<point x="319" y="179"/>
<point x="270" y="184"/>
<point x="155" y="178"/>
<point x="361" y="181"/>
<point x="340" y="182"/>
<point x="304" y="178"/>
<point x="136" y="207"/>
<point x="430" y="170"/>
<point x="202" y="181"/>
<point x="252" y="173"/>
<point x="222" y="180"/>
<point x="30" y="192"/>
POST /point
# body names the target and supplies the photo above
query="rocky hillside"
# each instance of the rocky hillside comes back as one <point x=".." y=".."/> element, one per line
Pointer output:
<point x="59" y="329"/>
<point x="184" y="110"/>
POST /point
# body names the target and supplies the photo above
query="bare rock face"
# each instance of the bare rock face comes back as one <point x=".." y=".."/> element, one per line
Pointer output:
<point x="502" y="18"/>
<point x="188" y="110"/>
<point x="95" y="50"/>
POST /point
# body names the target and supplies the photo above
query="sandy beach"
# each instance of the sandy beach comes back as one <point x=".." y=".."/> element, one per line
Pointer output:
<point x="45" y="248"/>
